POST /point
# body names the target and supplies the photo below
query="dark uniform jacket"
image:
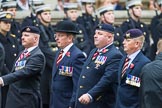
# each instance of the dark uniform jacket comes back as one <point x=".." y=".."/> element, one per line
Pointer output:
<point x="130" y="24"/>
<point x="151" y="83"/>
<point x="127" y="94"/>
<point x="16" y="30"/>
<point x="2" y="57"/>
<point x="12" y="48"/>
<point x="89" y="23"/>
<point x="65" y="78"/>
<point x="24" y="90"/>
<point x="99" y="78"/>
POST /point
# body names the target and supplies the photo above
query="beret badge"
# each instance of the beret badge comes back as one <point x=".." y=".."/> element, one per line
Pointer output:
<point x="28" y="29"/>
<point x="8" y="16"/>
<point x="127" y="35"/>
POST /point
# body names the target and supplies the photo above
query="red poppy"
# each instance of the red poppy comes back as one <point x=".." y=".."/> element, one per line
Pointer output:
<point x="68" y="54"/>
<point x="131" y="65"/>
<point x="104" y="50"/>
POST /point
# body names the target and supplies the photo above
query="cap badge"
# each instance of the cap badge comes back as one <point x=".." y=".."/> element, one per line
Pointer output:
<point x="28" y="29"/>
<point x="8" y="16"/>
<point x="127" y="35"/>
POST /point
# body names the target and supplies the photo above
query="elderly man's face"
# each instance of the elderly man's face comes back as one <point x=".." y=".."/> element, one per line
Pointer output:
<point x="130" y="46"/>
<point x="63" y="39"/>
<point x="102" y="38"/>
<point x="28" y="39"/>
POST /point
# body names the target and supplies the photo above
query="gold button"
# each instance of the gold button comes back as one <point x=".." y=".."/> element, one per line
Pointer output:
<point x="83" y="76"/>
<point x="15" y="54"/>
<point x="81" y="86"/>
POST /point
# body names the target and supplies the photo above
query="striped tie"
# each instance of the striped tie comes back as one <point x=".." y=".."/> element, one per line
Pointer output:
<point x="125" y="66"/>
<point x="95" y="55"/>
<point x="22" y="55"/>
<point x="59" y="58"/>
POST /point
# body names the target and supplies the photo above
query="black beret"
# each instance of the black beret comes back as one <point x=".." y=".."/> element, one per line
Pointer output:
<point x="133" y="33"/>
<point x="6" y="16"/>
<point x="106" y="27"/>
<point x="67" y="26"/>
<point x="31" y="29"/>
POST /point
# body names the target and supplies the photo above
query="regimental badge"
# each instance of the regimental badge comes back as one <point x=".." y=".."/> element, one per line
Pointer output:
<point x="133" y="80"/>
<point x="28" y="29"/>
<point x="100" y="60"/>
<point x="127" y="35"/>
<point x="8" y="16"/>
<point x="66" y="71"/>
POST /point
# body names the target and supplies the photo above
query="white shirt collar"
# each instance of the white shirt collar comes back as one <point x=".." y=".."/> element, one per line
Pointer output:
<point x="132" y="56"/>
<point x="100" y="50"/>
<point x="31" y="48"/>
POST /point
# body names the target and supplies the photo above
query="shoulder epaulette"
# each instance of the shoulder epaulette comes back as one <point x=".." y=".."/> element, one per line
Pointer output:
<point x="12" y="35"/>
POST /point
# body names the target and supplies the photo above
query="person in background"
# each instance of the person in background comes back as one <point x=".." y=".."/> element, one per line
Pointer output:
<point x="156" y="31"/>
<point x="59" y="6"/>
<point x="24" y="79"/>
<point x="151" y="81"/>
<point x="107" y="17"/>
<point x="97" y="84"/>
<point x="81" y="39"/>
<point x="67" y="66"/>
<point x="11" y="6"/>
<point x="134" y="8"/>
<point x="11" y="47"/>
<point x="88" y="19"/>
<point x="116" y="5"/>
<point x="23" y="5"/>
<point x="130" y="69"/>
<point x="100" y="3"/>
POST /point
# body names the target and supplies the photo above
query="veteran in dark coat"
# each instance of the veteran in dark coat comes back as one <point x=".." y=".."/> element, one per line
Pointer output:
<point x="134" y="8"/>
<point x="24" y="90"/>
<point x="130" y="69"/>
<point x="98" y="80"/>
<point x="151" y="82"/>
<point x="67" y="66"/>
<point x="42" y="20"/>
<point x="11" y="47"/>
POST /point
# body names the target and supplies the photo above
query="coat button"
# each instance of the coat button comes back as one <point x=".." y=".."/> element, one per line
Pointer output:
<point x="13" y="46"/>
<point x="83" y="76"/>
<point x="87" y="67"/>
<point x="15" y="54"/>
<point x="81" y="86"/>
